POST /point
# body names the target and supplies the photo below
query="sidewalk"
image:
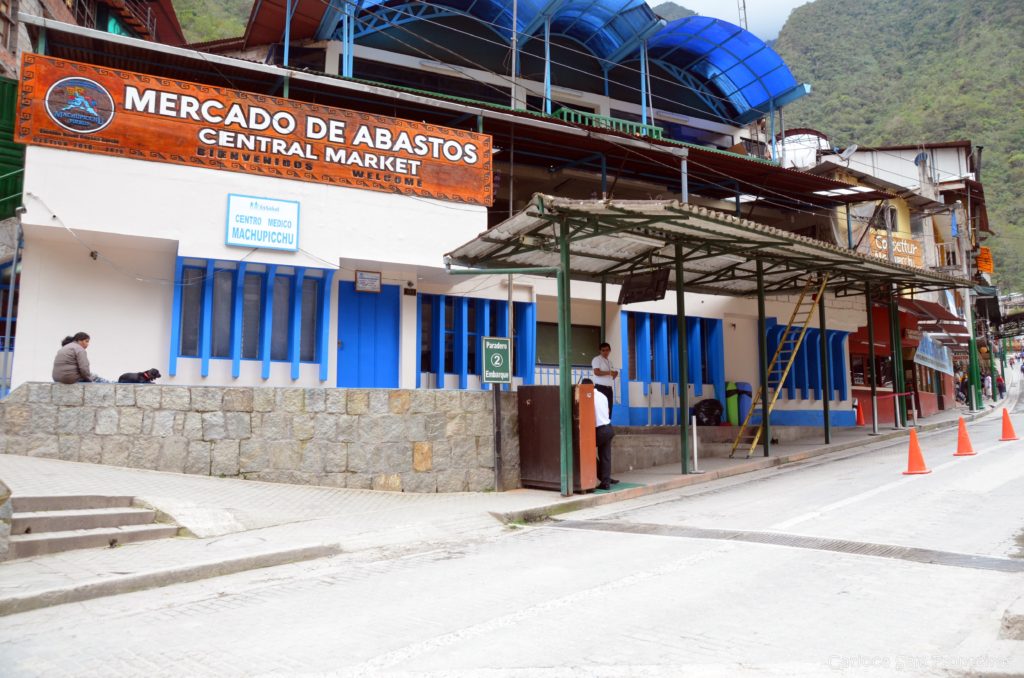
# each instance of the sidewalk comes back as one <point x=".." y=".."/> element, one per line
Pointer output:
<point x="237" y="525"/>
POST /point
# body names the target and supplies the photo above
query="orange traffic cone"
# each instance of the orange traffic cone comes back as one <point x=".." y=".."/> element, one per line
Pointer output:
<point x="915" y="461"/>
<point x="963" y="442"/>
<point x="860" y="414"/>
<point x="1008" y="433"/>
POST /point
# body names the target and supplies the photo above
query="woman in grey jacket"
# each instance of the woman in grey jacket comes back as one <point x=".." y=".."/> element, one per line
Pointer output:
<point x="72" y="364"/>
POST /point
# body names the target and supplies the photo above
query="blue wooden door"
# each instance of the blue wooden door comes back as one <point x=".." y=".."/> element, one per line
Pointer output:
<point x="368" y="326"/>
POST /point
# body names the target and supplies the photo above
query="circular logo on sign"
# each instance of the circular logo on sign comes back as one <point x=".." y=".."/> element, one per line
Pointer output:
<point x="497" y="360"/>
<point x="79" y="105"/>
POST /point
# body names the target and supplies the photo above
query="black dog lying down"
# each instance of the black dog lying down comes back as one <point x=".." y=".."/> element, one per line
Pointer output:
<point x="146" y="377"/>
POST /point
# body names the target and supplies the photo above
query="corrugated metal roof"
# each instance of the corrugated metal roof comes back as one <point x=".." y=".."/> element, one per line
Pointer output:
<point x="611" y="240"/>
<point x="712" y="173"/>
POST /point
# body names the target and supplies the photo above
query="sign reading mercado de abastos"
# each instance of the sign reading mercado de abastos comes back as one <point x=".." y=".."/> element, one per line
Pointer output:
<point x="91" y="109"/>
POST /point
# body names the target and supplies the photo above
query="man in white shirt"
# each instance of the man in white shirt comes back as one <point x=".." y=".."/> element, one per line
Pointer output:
<point x="604" y="434"/>
<point x="604" y="374"/>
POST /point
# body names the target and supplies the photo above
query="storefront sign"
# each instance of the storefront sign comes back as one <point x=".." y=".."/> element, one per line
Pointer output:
<point x="911" y="335"/>
<point x="264" y="223"/>
<point x="79" y="107"/>
<point x="985" y="260"/>
<point x="906" y="251"/>
<point x="497" y="359"/>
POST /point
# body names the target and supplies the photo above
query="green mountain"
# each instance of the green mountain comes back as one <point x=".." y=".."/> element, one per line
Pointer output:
<point x="204" y="20"/>
<point x="915" y="71"/>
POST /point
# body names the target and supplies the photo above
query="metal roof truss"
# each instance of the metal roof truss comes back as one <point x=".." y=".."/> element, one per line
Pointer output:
<point x="611" y="240"/>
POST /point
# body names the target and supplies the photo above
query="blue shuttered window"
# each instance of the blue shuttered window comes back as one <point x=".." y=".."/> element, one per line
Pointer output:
<point x="240" y="311"/>
<point x="804" y="379"/>
<point x="450" y="329"/>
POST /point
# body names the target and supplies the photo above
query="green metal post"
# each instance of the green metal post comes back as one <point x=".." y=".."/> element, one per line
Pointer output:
<point x="762" y="361"/>
<point x="896" y="344"/>
<point x="1002" y="357"/>
<point x="871" y="359"/>
<point x="681" y="350"/>
<point x="974" y="370"/>
<point x="826" y="387"/>
<point x="41" y="41"/>
<point x="564" y="376"/>
<point x="604" y="300"/>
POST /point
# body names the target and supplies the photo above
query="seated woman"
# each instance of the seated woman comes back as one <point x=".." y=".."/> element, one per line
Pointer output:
<point x="71" y="365"/>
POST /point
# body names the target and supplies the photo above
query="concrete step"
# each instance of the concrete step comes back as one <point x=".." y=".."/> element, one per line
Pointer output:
<point x="67" y="503"/>
<point x="78" y="519"/>
<point x="26" y="545"/>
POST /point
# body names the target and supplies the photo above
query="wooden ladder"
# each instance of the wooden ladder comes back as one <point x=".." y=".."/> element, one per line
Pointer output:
<point x="778" y="369"/>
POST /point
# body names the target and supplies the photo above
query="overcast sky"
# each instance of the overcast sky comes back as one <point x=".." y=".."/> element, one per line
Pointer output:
<point x="764" y="17"/>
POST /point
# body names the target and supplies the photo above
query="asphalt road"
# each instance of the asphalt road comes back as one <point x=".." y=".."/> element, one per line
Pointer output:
<point x="838" y="566"/>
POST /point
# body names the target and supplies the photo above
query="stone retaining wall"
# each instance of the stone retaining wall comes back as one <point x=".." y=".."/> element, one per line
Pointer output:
<point x="635" y="447"/>
<point x="399" y="440"/>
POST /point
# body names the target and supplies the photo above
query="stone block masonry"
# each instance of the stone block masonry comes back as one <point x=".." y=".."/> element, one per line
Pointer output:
<point x="395" y="440"/>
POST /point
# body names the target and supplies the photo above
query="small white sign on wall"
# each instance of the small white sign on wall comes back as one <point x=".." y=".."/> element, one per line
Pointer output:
<point x="262" y="223"/>
<point x="367" y="281"/>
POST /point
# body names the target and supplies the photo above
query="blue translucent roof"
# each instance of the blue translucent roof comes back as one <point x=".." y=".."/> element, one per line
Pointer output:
<point x="604" y="27"/>
<point x="736" y="73"/>
<point x="739" y="65"/>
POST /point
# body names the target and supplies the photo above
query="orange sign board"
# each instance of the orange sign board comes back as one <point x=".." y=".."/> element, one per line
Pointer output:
<point x="985" y="260"/>
<point x="906" y="251"/>
<point x="90" y="109"/>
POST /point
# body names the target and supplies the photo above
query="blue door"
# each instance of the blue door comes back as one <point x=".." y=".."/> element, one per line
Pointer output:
<point x="368" y="326"/>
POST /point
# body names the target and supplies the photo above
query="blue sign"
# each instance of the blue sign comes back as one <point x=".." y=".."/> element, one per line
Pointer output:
<point x="262" y="223"/>
<point x="931" y="353"/>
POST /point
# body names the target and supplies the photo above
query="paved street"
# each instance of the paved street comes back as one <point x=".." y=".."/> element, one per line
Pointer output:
<point x="778" y="572"/>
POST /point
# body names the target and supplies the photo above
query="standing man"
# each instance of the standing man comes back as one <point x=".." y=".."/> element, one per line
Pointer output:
<point x="604" y="374"/>
<point x="603" y="435"/>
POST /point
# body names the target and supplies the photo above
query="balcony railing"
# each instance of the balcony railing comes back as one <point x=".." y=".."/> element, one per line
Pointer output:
<point x="604" y="122"/>
<point x="947" y="255"/>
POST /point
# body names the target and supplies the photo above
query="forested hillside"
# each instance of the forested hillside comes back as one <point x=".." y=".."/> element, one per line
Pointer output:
<point x="913" y="71"/>
<point x="204" y="20"/>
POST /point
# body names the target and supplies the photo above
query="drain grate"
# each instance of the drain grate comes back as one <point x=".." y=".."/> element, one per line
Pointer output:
<point x="916" y="555"/>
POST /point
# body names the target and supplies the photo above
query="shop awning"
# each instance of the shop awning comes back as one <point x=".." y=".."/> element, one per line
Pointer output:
<point x="928" y="310"/>
<point x="612" y="240"/>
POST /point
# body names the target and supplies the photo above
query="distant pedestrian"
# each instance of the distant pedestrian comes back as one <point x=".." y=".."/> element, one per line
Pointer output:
<point x="987" y="389"/>
<point x="604" y="434"/>
<point x="1001" y="386"/>
<point x="604" y="374"/>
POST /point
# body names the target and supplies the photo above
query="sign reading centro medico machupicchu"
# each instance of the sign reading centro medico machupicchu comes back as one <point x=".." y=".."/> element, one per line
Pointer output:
<point x="91" y="109"/>
<point x="262" y="223"/>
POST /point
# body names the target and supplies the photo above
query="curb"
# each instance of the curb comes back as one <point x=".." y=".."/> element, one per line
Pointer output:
<point x="76" y="593"/>
<point x="542" y="513"/>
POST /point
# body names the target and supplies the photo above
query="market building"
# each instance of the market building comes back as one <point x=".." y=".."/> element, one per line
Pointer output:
<point x="274" y="210"/>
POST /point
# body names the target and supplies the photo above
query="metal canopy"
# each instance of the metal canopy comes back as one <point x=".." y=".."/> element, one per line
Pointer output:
<point x="610" y="240"/>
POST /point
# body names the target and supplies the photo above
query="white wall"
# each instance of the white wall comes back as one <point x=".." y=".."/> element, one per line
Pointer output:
<point x="64" y="291"/>
<point x="87" y="192"/>
<point x="140" y="215"/>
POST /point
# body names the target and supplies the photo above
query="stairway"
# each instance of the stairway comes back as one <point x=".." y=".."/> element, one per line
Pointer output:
<point x="778" y="369"/>
<point x="43" y="525"/>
